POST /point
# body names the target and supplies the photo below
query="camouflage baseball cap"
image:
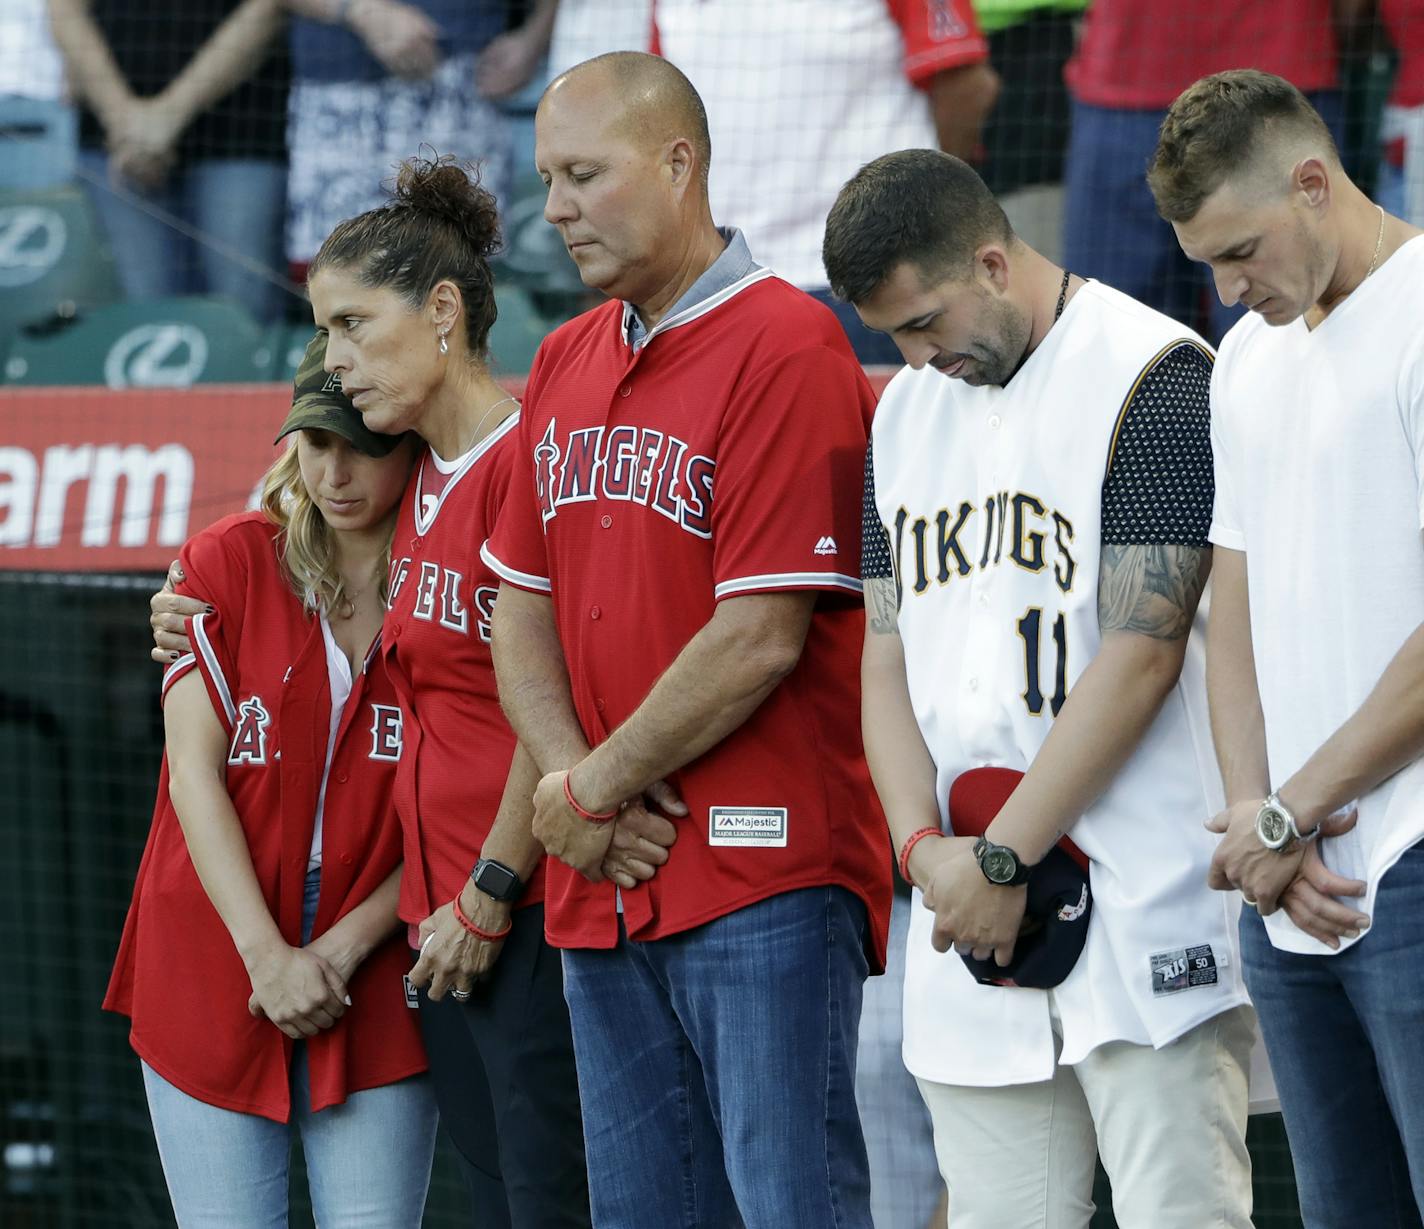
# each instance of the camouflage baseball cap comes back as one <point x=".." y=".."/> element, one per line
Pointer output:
<point x="319" y="404"/>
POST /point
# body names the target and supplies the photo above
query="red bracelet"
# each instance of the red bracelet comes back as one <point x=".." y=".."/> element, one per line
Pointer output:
<point x="489" y="936"/>
<point x="593" y="817"/>
<point x="910" y="842"/>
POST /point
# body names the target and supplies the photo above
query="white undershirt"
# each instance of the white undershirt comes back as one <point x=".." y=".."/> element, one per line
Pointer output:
<point x="338" y="673"/>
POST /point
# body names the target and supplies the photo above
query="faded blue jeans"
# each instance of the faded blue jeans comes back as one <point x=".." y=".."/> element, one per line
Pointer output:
<point x="368" y="1159"/>
<point x="1346" y="1039"/>
<point x="717" y="1070"/>
<point x="234" y="206"/>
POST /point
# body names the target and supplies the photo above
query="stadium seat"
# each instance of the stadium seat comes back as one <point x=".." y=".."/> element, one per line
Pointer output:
<point x="53" y="260"/>
<point x="168" y="343"/>
<point x="517" y="333"/>
<point x="283" y="345"/>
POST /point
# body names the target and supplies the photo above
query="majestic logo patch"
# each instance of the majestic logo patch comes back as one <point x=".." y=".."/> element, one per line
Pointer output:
<point x="249" y="739"/>
<point x="1183" y="969"/>
<point x="826" y="546"/>
<point x="754" y="827"/>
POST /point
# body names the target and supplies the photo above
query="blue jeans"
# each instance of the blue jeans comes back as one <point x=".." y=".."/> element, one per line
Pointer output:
<point x="368" y="1159"/>
<point x="905" y="1186"/>
<point x="39" y="142"/>
<point x="1345" y="1036"/>
<point x="717" y="1070"/>
<point x="236" y="208"/>
<point x="871" y="348"/>
<point x="1111" y="229"/>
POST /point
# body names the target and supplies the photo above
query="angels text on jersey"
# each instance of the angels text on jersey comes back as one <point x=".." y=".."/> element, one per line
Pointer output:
<point x="632" y="464"/>
<point x="441" y="597"/>
<point x="250" y="742"/>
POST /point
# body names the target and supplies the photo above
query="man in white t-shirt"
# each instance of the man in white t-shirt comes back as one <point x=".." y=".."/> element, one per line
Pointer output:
<point x="1316" y="669"/>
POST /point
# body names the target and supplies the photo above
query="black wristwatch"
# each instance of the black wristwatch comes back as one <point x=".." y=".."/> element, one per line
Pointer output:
<point x="1001" y="865"/>
<point x="497" y="881"/>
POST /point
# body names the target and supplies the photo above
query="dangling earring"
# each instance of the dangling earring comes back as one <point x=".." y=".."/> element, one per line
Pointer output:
<point x="444" y="345"/>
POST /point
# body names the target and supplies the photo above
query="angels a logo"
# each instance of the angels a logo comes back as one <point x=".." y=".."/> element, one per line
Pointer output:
<point x="945" y="23"/>
<point x="633" y="464"/>
<point x="249" y="739"/>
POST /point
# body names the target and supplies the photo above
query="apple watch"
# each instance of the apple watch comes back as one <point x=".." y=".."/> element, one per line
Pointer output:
<point x="497" y="881"/>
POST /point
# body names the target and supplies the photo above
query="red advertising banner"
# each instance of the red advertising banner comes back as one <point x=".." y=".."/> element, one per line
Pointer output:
<point x="98" y="480"/>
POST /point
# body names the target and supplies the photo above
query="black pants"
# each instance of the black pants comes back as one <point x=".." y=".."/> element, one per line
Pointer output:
<point x="503" y="1068"/>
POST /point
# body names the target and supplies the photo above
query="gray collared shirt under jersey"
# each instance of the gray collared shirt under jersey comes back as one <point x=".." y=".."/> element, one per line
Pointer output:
<point x="730" y="267"/>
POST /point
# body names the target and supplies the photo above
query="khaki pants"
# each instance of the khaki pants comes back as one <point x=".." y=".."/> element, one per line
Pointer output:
<point x="1170" y="1124"/>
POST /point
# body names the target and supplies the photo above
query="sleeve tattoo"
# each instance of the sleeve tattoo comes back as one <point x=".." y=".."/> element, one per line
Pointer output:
<point x="882" y="605"/>
<point x="1151" y="589"/>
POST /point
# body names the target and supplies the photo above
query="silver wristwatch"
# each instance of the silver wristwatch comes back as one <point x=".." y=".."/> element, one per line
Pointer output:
<point x="1276" y="827"/>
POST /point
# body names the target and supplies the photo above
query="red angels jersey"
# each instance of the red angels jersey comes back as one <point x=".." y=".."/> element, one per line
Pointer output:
<point x="178" y="977"/>
<point x="719" y="459"/>
<point x="436" y="644"/>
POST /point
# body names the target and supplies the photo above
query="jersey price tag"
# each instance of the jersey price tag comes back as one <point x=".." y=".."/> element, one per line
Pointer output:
<point x="1183" y="969"/>
<point x="753" y="827"/>
<point x="412" y="1000"/>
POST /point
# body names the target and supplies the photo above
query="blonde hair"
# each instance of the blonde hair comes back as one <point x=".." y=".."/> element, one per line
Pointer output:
<point x="305" y="547"/>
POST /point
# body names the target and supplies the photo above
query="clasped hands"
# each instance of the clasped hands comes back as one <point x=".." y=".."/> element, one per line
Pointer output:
<point x="1295" y="879"/>
<point x="972" y="915"/>
<point x="627" y="849"/>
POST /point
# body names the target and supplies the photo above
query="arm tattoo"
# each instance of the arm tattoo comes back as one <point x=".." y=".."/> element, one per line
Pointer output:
<point x="882" y="606"/>
<point x="1151" y="590"/>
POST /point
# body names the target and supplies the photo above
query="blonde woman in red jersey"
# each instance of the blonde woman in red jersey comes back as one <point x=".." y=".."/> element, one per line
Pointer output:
<point x="260" y="964"/>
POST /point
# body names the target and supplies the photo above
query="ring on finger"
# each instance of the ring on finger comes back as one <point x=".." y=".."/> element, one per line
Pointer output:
<point x="1248" y="900"/>
<point x="459" y="995"/>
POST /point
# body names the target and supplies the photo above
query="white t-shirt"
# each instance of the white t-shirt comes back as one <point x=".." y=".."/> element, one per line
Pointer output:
<point x="800" y="94"/>
<point x="338" y="674"/>
<point x="29" y="61"/>
<point x="1318" y="439"/>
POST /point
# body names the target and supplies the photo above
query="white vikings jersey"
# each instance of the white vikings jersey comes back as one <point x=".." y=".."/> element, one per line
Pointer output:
<point x="994" y="504"/>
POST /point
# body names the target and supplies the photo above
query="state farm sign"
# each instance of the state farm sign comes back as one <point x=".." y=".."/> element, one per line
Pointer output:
<point x="92" y="479"/>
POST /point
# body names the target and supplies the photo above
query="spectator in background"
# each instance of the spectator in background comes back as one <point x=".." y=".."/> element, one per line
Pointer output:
<point x="38" y="128"/>
<point x="1401" y="176"/>
<point x="1134" y="58"/>
<point x="377" y="79"/>
<point x="801" y="93"/>
<point x="1026" y="134"/>
<point x="181" y="141"/>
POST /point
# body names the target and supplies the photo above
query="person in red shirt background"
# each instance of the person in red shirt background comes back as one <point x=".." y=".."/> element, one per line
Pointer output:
<point x="679" y="603"/>
<point x="1133" y="59"/>
<point x="260" y="963"/>
<point x="1400" y="188"/>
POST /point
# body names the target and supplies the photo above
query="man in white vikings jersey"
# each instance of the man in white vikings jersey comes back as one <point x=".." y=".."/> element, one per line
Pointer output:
<point x="1035" y="549"/>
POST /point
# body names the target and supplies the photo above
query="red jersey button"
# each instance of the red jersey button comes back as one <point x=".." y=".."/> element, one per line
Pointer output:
<point x="599" y="704"/>
<point x="596" y="613"/>
<point x="342" y="777"/>
<point x="625" y="390"/>
<point x="606" y="522"/>
<point x="395" y="629"/>
<point x="346" y="859"/>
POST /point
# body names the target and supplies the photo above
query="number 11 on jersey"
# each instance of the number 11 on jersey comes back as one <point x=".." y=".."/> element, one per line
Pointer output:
<point x="1030" y="630"/>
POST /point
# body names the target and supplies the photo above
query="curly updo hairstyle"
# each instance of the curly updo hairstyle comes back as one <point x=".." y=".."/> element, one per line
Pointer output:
<point x="440" y="224"/>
